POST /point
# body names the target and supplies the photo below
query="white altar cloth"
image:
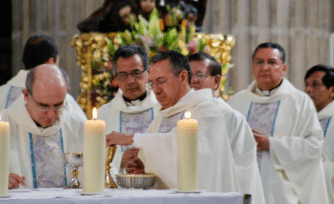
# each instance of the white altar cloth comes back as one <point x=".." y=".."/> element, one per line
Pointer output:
<point x="120" y="195"/>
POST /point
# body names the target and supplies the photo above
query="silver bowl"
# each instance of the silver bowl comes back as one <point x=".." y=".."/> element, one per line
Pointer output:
<point x="144" y="181"/>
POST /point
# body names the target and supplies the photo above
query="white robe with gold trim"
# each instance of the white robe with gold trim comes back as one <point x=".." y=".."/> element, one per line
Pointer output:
<point x="216" y="167"/>
<point x="21" y="125"/>
<point x="292" y="171"/>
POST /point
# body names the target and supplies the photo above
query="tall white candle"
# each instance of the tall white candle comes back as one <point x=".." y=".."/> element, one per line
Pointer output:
<point x="94" y="155"/>
<point x="4" y="156"/>
<point x="187" y="150"/>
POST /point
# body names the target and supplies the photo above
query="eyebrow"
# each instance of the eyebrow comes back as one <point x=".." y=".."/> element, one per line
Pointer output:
<point x="131" y="71"/>
<point x="47" y="105"/>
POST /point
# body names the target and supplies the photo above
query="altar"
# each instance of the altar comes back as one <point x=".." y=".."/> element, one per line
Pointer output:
<point x="124" y="196"/>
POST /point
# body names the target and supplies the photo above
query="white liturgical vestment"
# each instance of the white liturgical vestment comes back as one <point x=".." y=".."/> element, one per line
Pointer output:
<point x="10" y="91"/>
<point x="325" y="117"/>
<point x="216" y="168"/>
<point x="37" y="153"/>
<point x="123" y="117"/>
<point x="244" y="149"/>
<point x="292" y="171"/>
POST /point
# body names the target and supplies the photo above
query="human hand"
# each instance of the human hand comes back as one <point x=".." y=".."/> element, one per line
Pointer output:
<point x="135" y="166"/>
<point x="14" y="180"/>
<point x="262" y="141"/>
<point x="129" y="155"/>
<point x="116" y="138"/>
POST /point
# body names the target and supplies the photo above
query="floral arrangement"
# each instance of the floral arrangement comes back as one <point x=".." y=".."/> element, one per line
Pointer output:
<point x="152" y="36"/>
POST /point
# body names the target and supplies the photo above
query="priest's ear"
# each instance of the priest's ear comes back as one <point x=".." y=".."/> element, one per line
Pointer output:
<point x="184" y="75"/>
<point x="331" y="89"/>
<point x="25" y="94"/>
<point x="53" y="61"/>
<point x="217" y="81"/>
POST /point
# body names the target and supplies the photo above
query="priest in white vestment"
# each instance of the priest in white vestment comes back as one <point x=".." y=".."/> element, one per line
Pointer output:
<point x="285" y="126"/>
<point x="319" y="85"/>
<point x="169" y="77"/>
<point x="39" y="49"/>
<point x="41" y="131"/>
<point x="134" y="106"/>
<point x="206" y="73"/>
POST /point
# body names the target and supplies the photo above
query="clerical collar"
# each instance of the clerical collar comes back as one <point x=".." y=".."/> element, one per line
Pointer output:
<point x="135" y="102"/>
<point x="267" y="93"/>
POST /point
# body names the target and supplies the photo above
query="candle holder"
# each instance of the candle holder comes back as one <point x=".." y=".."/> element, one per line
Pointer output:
<point x="109" y="181"/>
<point x="74" y="160"/>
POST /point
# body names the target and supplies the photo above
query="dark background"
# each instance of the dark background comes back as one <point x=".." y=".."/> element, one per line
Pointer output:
<point x="5" y="41"/>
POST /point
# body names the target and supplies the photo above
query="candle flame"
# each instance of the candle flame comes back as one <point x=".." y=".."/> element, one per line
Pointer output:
<point x="94" y="113"/>
<point x="187" y="115"/>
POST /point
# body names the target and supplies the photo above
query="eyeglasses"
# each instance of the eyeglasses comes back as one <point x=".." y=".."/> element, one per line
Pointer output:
<point x="200" y="76"/>
<point x="159" y="83"/>
<point x="137" y="74"/>
<point x="45" y="108"/>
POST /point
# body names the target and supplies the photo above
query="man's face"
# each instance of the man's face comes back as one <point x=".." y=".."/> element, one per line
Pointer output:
<point x="200" y="76"/>
<point x="133" y="86"/>
<point x="125" y="13"/>
<point x="45" y="105"/>
<point x="147" y="5"/>
<point x="268" y="68"/>
<point x="166" y="86"/>
<point x="319" y="93"/>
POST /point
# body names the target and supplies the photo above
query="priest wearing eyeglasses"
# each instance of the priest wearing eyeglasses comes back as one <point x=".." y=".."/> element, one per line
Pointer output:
<point x="41" y="130"/>
<point x="169" y="77"/>
<point x="134" y="106"/>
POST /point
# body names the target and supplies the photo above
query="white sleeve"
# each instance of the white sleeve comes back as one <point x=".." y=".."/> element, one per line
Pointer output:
<point x="137" y="140"/>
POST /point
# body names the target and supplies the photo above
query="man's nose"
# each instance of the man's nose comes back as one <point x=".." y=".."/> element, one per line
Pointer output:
<point x="130" y="79"/>
<point x="265" y="66"/>
<point x="51" y="113"/>
<point x="308" y="89"/>
<point x="156" y="89"/>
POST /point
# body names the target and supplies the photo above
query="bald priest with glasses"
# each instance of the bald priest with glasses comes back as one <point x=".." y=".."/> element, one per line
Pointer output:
<point x="41" y="130"/>
<point x="134" y="106"/>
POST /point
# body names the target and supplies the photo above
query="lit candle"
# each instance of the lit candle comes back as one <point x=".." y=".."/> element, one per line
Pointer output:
<point x="4" y="157"/>
<point x="94" y="155"/>
<point x="187" y="149"/>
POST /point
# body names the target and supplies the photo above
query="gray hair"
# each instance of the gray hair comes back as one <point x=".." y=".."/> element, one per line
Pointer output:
<point x="31" y="79"/>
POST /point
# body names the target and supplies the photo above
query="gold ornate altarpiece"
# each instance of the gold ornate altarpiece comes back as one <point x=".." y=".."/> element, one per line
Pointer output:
<point x="92" y="47"/>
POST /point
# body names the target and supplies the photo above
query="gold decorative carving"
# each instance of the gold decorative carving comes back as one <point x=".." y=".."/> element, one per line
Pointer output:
<point x="92" y="47"/>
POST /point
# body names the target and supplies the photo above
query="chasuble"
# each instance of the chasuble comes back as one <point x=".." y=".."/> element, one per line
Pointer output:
<point x="216" y="167"/>
<point x="123" y="117"/>
<point x="36" y="152"/>
<point x="292" y="171"/>
<point x="325" y="117"/>
<point x="244" y="149"/>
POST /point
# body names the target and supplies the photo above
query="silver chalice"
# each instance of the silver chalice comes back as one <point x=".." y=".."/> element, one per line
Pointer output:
<point x="74" y="160"/>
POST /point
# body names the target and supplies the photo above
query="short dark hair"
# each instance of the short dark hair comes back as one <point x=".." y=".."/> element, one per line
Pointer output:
<point x="39" y="49"/>
<point x="127" y="51"/>
<point x="177" y="61"/>
<point x="215" y="68"/>
<point x="270" y="45"/>
<point x="327" y="79"/>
